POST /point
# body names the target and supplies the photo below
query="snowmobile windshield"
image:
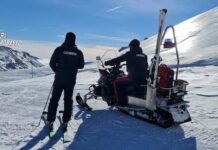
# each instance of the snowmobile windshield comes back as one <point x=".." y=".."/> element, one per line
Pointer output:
<point x="108" y="55"/>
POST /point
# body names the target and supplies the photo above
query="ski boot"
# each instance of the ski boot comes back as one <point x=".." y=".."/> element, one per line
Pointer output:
<point x="64" y="128"/>
<point x="51" y="129"/>
<point x="66" y="136"/>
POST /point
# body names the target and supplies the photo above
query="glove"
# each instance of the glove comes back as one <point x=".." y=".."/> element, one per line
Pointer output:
<point x="106" y="63"/>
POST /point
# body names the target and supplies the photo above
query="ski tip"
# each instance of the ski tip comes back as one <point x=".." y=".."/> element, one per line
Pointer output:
<point x="164" y="10"/>
<point x="89" y="109"/>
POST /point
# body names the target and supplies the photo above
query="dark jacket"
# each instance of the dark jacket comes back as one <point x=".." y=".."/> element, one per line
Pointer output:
<point x="136" y="62"/>
<point x="66" y="60"/>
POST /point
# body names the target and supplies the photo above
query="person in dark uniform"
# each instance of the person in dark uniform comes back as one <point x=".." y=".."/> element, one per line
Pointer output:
<point x="65" y="62"/>
<point x="137" y="68"/>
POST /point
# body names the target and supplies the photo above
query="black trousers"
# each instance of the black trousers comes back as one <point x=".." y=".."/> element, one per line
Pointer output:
<point x="58" y="88"/>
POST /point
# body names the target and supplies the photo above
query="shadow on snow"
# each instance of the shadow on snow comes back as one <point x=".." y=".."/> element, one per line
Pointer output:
<point x="113" y="130"/>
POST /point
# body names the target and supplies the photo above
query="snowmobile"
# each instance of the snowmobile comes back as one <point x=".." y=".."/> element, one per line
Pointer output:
<point x="160" y="101"/>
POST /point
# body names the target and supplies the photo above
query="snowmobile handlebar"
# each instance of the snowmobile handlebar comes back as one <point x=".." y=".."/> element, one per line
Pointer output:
<point x="115" y="67"/>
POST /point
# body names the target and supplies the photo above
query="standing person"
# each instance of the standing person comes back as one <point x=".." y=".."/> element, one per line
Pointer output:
<point x="137" y="68"/>
<point x="65" y="62"/>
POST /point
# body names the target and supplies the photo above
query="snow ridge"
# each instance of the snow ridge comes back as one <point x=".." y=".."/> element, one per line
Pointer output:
<point x="12" y="59"/>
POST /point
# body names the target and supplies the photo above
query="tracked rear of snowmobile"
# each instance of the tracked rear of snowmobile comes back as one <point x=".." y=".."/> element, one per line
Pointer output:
<point x="170" y="109"/>
<point x="160" y="101"/>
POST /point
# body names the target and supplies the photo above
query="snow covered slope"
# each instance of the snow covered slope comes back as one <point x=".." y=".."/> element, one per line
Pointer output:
<point x="196" y="38"/>
<point x="22" y="100"/>
<point x="11" y="59"/>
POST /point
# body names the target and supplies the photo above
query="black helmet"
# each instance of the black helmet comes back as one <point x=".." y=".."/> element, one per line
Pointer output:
<point x="134" y="43"/>
<point x="70" y="37"/>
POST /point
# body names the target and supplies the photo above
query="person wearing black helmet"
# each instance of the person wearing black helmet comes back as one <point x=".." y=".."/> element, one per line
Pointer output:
<point x="65" y="62"/>
<point x="137" y="68"/>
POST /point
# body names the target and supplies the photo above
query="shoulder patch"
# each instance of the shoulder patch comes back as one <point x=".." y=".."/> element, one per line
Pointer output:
<point x="69" y="53"/>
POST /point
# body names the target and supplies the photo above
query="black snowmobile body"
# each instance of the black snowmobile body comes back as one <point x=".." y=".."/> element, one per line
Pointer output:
<point x="166" y="114"/>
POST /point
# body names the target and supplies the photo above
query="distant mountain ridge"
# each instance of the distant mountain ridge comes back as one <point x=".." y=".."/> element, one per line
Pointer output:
<point x="11" y="59"/>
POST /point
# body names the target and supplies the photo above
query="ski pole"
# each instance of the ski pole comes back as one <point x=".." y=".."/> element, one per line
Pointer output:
<point x="45" y="105"/>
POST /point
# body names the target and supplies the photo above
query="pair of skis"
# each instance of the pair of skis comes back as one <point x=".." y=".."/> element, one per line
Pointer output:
<point x="152" y="81"/>
<point x="66" y="137"/>
<point x="52" y="133"/>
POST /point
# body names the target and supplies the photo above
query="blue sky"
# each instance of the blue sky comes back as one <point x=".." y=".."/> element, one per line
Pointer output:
<point x="96" y="22"/>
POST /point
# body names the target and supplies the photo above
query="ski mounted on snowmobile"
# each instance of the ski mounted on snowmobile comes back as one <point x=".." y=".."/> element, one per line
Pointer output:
<point x="161" y="101"/>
